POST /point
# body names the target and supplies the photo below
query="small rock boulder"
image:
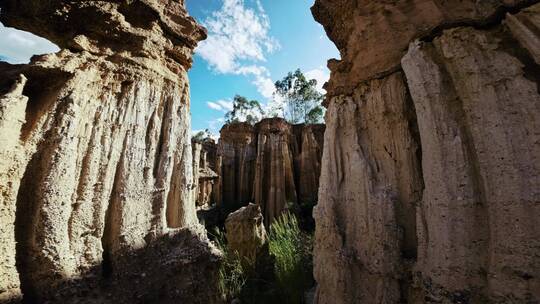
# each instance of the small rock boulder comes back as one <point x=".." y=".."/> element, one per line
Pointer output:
<point x="245" y="232"/>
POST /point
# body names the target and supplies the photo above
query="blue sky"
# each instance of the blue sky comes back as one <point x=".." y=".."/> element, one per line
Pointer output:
<point x="285" y="37"/>
<point x="251" y="44"/>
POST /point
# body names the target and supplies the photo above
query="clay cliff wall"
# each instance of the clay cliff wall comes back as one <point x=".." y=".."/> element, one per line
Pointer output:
<point x="431" y="174"/>
<point x="90" y="138"/>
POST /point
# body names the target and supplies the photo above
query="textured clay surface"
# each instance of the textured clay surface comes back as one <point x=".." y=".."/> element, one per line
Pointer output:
<point x="430" y="173"/>
<point x="272" y="164"/>
<point x="245" y="232"/>
<point x="90" y="139"/>
<point x="204" y="176"/>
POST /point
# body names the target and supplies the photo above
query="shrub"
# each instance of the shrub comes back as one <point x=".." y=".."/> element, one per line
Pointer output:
<point x="291" y="249"/>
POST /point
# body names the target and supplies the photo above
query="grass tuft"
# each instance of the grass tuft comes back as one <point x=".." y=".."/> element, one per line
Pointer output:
<point x="291" y="249"/>
<point x="232" y="275"/>
<point x="283" y="276"/>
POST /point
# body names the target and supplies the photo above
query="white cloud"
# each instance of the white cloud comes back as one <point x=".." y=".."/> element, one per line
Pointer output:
<point x="19" y="46"/>
<point x="226" y="105"/>
<point x="214" y="106"/>
<point x="262" y="80"/>
<point x="220" y="105"/>
<point x="215" y="125"/>
<point x="265" y="86"/>
<point x="238" y="38"/>
<point x="321" y="75"/>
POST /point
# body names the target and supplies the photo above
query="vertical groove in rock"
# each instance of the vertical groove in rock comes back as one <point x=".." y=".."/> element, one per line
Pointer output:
<point x="273" y="164"/>
<point x="205" y="177"/>
<point x="498" y="161"/>
<point x="12" y="118"/>
<point x="369" y="187"/>
<point x="307" y="161"/>
<point x="274" y="187"/>
<point x="237" y="151"/>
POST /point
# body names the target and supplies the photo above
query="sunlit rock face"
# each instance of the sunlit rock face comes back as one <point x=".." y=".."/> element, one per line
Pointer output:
<point x="95" y="153"/>
<point x="430" y="177"/>
<point x="246" y="234"/>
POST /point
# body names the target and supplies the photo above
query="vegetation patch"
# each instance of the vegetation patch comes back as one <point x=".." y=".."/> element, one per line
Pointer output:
<point x="282" y="272"/>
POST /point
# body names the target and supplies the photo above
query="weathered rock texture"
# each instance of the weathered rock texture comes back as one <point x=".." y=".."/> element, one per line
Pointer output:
<point x="245" y="232"/>
<point x="237" y="153"/>
<point x="274" y="186"/>
<point x="279" y="166"/>
<point x="307" y="161"/>
<point x="204" y="175"/>
<point x="90" y="138"/>
<point x="431" y="174"/>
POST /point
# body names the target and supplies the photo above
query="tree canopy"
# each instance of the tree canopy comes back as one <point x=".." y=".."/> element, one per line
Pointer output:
<point x="303" y="101"/>
<point x="296" y="99"/>
<point x="244" y="110"/>
<point x="201" y="135"/>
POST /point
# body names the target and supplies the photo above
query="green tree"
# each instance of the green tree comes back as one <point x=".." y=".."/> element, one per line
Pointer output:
<point x="315" y="115"/>
<point x="244" y="110"/>
<point x="301" y="97"/>
<point x="201" y="135"/>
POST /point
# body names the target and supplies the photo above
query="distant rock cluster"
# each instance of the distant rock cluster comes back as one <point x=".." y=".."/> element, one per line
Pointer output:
<point x="272" y="164"/>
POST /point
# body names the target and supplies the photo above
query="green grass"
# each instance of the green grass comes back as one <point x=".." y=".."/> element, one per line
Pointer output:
<point x="282" y="274"/>
<point x="291" y="249"/>
<point x="232" y="275"/>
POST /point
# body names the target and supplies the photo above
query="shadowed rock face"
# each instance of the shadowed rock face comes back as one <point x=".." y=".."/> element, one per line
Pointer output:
<point x="275" y="186"/>
<point x="237" y="153"/>
<point x="90" y="138"/>
<point x="430" y="176"/>
<point x="307" y="161"/>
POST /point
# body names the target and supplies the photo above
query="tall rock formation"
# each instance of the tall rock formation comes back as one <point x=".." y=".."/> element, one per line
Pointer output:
<point x="307" y="161"/>
<point x="274" y="185"/>
<point x="204" y="175"/>
<point x="431" y="174"/>
<point x="90" y="138"/>
<point x="237" y="153"/>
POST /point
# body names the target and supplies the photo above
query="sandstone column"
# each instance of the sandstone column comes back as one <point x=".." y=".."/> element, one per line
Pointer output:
<point x="274" y="185"/>
<point x="237" y="153"/>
